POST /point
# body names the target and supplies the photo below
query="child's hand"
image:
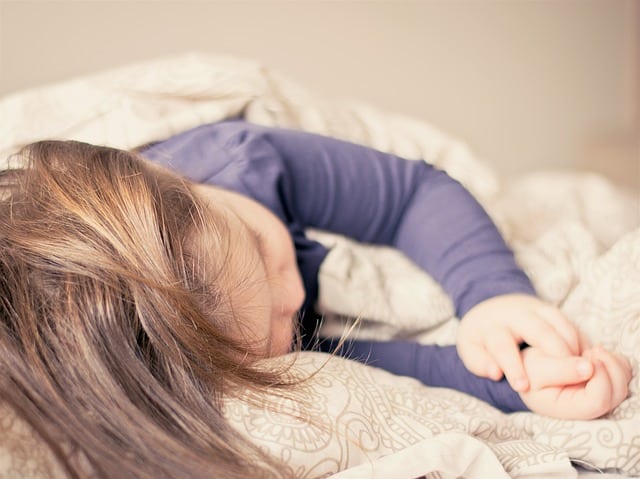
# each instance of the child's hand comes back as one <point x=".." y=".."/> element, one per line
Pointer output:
<point x="554" y="393"/>
<point x="491" y="332"/>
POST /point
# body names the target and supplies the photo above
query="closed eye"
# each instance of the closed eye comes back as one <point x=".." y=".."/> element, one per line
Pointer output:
<point x="260" y="241"/>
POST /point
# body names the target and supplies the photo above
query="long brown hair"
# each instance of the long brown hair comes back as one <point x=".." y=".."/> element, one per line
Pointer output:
<point x="111" y="341"/>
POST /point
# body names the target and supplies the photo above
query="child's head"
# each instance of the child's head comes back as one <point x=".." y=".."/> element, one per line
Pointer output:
<point x="130" y="302"/>
<point x="266" y="284"/>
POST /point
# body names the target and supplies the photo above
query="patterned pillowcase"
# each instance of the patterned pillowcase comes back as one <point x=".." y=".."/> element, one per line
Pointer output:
<point x="349" y="414"/>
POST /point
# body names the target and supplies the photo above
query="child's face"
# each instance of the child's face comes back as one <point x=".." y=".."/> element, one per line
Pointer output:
<point x="274" y="291"/>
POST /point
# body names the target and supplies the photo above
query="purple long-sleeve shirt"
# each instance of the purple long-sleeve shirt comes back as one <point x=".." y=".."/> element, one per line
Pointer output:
<point x="311" y="181"/>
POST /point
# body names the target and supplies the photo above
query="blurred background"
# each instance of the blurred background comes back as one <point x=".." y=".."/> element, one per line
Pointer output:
<point x="527" y="84"/>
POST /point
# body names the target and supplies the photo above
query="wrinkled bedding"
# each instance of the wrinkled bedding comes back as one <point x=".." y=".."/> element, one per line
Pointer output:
<point x="577" y="236"/>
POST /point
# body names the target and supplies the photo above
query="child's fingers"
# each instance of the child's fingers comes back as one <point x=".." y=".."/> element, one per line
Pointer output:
<point x="548" y="371"/>
<point x="477" y="360"/>
<point x="585" y="343"/>
<point x="506" y="354"/>
<point x="588" y="401"/>
<point x="537" y="332"/>
<point x="598" y="393"/>
<point x="619" y="371"/>
<point x="563" y="327"/>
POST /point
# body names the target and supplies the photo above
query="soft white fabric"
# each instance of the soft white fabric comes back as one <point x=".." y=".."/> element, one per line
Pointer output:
<point x="577" y="236"/>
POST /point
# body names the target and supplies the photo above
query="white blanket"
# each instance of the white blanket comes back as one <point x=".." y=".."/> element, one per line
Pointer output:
<point x="577" y="236"/>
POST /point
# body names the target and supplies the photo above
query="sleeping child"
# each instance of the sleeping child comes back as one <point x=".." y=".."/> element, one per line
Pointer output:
<point x="138" y="289"/>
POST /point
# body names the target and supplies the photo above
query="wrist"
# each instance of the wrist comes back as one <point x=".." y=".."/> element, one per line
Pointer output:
<point x="489" y="301"/>
<point x="493" y="288"/>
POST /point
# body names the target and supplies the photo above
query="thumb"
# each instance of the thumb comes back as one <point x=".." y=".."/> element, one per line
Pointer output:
<point x="548" y="371"/>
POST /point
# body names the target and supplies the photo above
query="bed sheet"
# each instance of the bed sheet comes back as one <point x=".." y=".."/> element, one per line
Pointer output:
<point x="582" y="252"/>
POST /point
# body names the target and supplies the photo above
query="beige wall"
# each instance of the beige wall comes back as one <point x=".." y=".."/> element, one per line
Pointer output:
<point x="528" y="84"/>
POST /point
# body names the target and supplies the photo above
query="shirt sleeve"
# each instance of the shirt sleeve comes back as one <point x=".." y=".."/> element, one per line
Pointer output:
<point x="379" y="198"/>
<point x="315" y="181"/>
<point x="436" y="366"/>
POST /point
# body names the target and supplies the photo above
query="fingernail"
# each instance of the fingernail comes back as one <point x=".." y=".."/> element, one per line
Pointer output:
<point x="583" y="368"/>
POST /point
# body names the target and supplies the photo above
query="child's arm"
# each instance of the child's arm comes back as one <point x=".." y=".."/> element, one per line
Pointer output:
<point x="433" y="365"/>
<point x="570" y="387"/>
<point x="314" y="181"/>
<point x="555" y="393"/>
